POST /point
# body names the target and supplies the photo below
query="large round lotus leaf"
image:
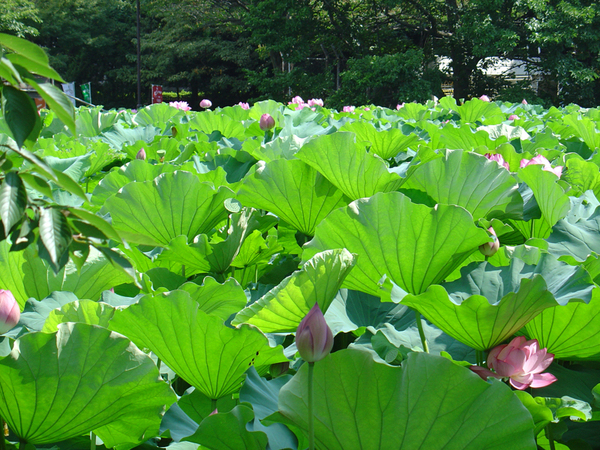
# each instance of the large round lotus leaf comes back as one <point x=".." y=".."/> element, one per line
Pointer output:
<point x="466" y="179"/>
<point x="348" y="166"/>
<point x="571" y="331"/>
<point x="489" y="304"/>
<point x="413" y="245"/>
<point x="384" y="143"/>
<point x="282" y="309"/>
<point x="80" y="379"/>
<point x="428" y="403"/>
<point x="199" y="347"/>
<point x="293" y="191"/>
<point x="174" y="204"/>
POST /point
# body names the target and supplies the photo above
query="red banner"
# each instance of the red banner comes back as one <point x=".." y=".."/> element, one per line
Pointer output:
<point x="39" y="103"/>
<point x="156" y="93"/>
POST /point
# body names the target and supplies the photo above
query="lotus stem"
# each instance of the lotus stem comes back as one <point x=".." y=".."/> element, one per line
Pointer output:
<point x="158" y="363"/>
<point x="93" y="441"/>
<point x="311" y="418"/>
<point x="213" y="404"/>
<point x="421" y="332"/>
<point x="479" y="357"/>
<point x="550" y="438"/>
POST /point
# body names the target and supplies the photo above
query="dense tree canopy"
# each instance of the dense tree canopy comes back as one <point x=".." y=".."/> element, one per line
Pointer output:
<point x="344" y="51"/>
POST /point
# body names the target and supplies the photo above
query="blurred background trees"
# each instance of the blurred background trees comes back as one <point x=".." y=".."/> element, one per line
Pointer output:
<point x="344" y="51"/>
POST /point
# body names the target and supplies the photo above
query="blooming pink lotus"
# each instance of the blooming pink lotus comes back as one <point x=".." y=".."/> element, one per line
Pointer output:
<point x="348" y="109"/>
<point x="10" y="313"/>
<point x="180" y="105"/>
<point x="314" y="338"/>
<point x="499" y="159"/>
<point x="539" y="159"/>
<point x="513" y="117"/>
<point x="522" y="361"/>
<point x="297" y="100"/>
<point x="244" y="105"/>
<point x="315" y="102"/>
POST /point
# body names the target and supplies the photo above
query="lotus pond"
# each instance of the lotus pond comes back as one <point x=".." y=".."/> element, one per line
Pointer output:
<point x="179" y="251"/>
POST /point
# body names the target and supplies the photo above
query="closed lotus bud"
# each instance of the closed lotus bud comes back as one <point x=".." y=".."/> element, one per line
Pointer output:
<point x="314" y="338"/>
<point x="513" y="117"/>
<point x="266" y="122"/>
<point x="484" y="98"/>
<point x="490" y="248"/>
<point x="205" y="103"/>
<point x="141" y="154"/>
<point x="9" y="311"/>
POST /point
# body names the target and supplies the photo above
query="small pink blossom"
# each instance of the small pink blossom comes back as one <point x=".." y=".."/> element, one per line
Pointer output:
<point x="141" y="154"/>
<point x="315" y="102"/>
<point x="314" y="338"/>
<point x="499" y="159"/>
<point x="513" y="117"/>
<point x="266" y="122"/>
<point x="484" y="98"/>
<point x="541" y="160"/>
<point x="490" y="248"/>
<point x="244" y="105"/>
<point x="180" y="105"/>
<point x="10" y="313"/>
<point x="399" y="106"/>
<point x="367" y="108"/>
<point x="524" y="102"/>
<point x="297" y="100"/>
<point x="348" y="109"/>
<point x="205" y="103"/>
<point x="523" y="362"/>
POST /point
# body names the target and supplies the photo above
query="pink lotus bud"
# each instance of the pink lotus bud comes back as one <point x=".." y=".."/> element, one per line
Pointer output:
<point x="9" y="311"/>
<point x="490" y="248"/>
<point x="205" y="103"/>
<point x="541" y="160"/>
<point x="314" y="338"/>
<point x="278" y="369"/>
<point x="499" y="159"/>
<point x="399" y="106"/>
<point x="524" y="102"/>
<point x="513" y="117"/>
<point x="244" y="105"/>
<point x="484" y="98"/>
<point x="180" y="105"/>
<point x="348" y="109"/>
<point x="266" y="122"/>
<point x="141" y="154"/>
<point x="315" y="102"/>
<point x="216" y="411"/>
<point x="522" y="361"/>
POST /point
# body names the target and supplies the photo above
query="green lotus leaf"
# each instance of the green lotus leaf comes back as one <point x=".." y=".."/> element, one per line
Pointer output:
<point x="82" y="378"/>
<point x="282" y="308"/>
<point x="551" y="198"/>
<point x="228" y="430"/>
<point x="582" y="175"/>
<point x="348" y="166"/>
<point x="488" y="305"/>
<point x="384" y="143"/>
<point x="428" y="403"/>
<point x="198" y="346"/>
<point x="80" y="311"/>
<point x="174" y="204"/>
<point x="413" y="245"/>
<point x="210" y="121"/>
<point x="571" y="331"/>
<point x="156" y="114"/>
<point x="120" y="135"/>
<point x="584" y="128"/>
<point x="136" y="170"/>
<point x="465" y="138"/>
<point x="26" y="275"/>
<point x="478" y="110"/>
<point x="221" y="300"/>
<point x="469" y="180"/>
<point x="293" y="191"/>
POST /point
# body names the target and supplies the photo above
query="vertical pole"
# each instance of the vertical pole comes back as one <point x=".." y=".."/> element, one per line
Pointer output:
<point x="139" y="60"/>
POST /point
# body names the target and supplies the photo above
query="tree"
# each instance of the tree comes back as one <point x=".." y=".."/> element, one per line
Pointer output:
<point x="19" y="18"/>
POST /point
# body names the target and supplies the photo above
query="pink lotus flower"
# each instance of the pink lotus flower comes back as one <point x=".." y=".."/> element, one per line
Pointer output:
<point x="141" y="154"/>
<point x="297" y="100"/>
<point x="499" y="159"/>
<point x="10" y="313"/>
<point x="490" y="248"/>
<point x="180" y="105"/>
<point x="524" y="102"/>
<point x="539" y="159"/>
<point x="205" y="103"/>
<point x="484" y="98"/>
<point x="244" y="105"/>
<point x="523" y="362"/>
<point x="314" y="338"/>
<point x="399" y="106"/>
<point x="315" y="102"/>
<point x="513" y="117"/>
<point x="266" y="122"/>
<point x="348" y="109"/>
